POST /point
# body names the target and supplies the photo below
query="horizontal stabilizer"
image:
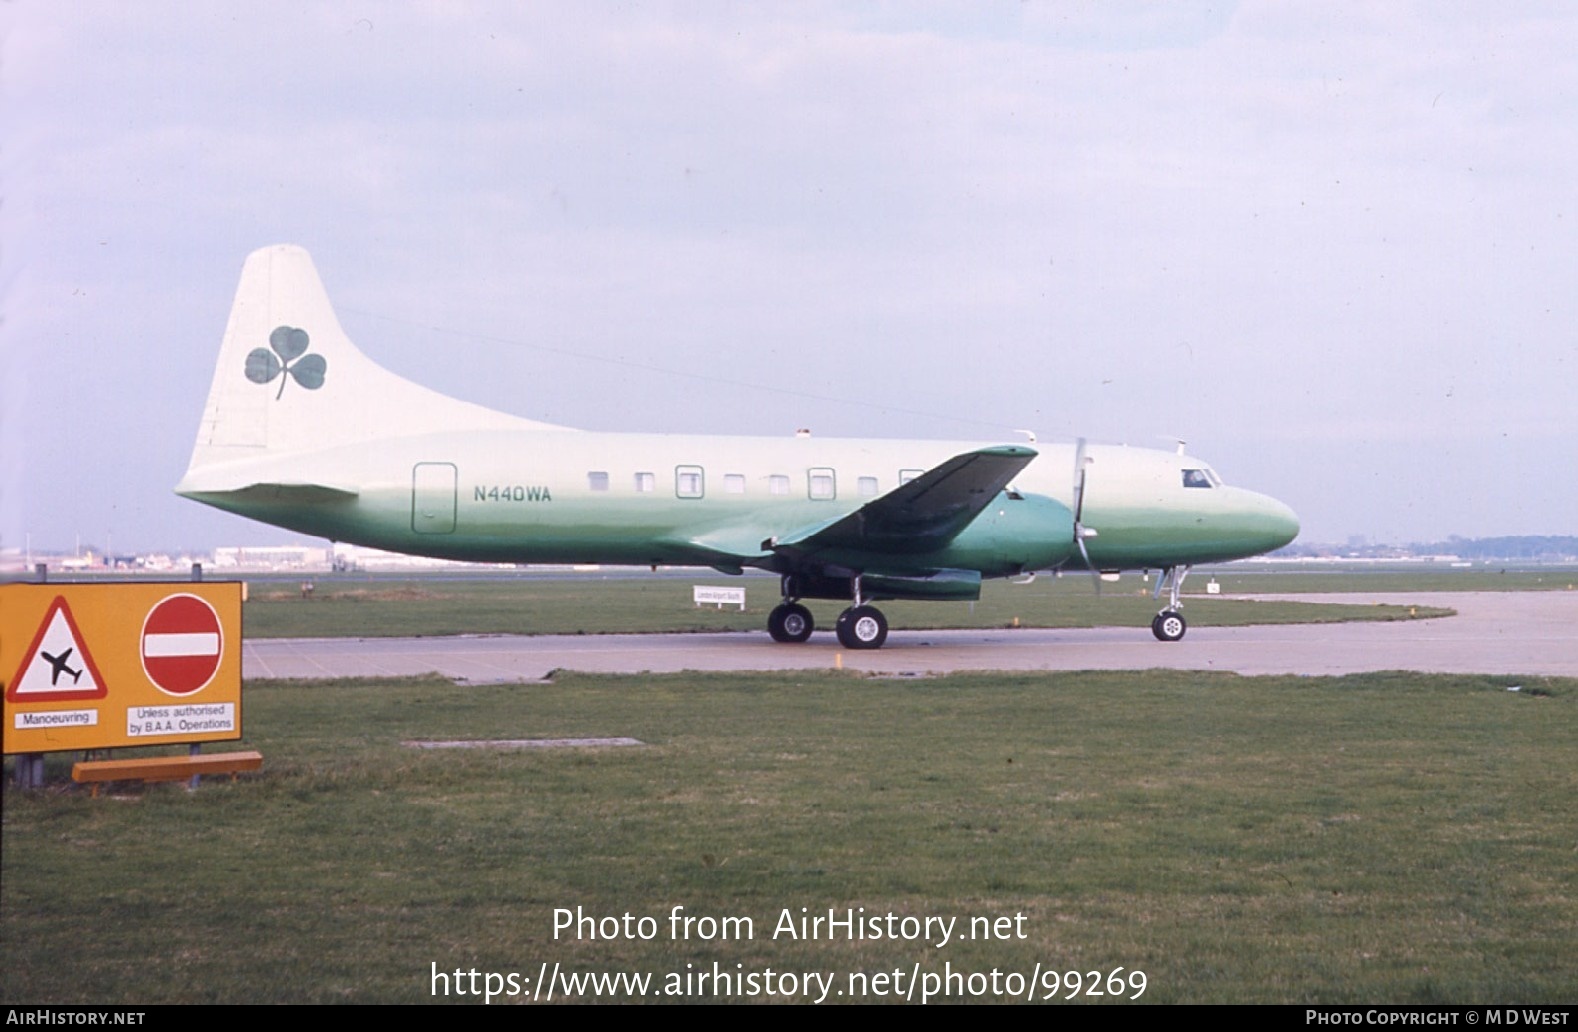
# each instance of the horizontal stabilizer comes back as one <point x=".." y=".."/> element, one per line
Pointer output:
<point x="922" y="515"/>
<point x="282" y="494"/>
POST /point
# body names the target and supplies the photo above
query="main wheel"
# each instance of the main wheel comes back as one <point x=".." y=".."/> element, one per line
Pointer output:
<point x="862" y="627"/>
<point x="1169" y="625"/>
<point x="790" y="622"/>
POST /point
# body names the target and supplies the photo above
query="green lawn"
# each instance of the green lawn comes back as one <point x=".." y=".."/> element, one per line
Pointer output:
<point x="1389" y="837"/>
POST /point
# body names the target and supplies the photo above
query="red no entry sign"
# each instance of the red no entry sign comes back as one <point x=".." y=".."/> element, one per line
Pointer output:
<point x="181" y="644"/>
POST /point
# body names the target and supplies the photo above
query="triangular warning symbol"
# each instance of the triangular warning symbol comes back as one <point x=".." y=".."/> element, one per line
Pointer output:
<point x="57" y="665"/>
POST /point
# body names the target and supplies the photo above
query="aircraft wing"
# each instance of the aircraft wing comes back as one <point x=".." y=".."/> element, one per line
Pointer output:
<point x="922" y="515"/>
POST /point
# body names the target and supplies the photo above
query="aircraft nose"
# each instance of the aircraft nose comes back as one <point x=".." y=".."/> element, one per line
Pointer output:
<point x="1260" y="523"/>
<point x="1276" y="521"/>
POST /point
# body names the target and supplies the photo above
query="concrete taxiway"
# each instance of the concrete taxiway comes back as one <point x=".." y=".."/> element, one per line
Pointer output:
<point x="1513" y="633"/>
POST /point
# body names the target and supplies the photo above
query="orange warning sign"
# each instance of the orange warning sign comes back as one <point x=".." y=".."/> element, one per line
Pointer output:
<point x="120" y="664"/>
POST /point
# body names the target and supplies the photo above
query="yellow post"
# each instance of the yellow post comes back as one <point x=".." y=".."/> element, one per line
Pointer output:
<point x="838" y="661"/>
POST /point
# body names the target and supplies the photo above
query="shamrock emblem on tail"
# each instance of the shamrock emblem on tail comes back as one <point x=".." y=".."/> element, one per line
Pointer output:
<point x="289" y="344"/>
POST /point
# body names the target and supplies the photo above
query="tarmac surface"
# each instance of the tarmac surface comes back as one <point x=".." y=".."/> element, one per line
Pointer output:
<point x="1506" y="633"/>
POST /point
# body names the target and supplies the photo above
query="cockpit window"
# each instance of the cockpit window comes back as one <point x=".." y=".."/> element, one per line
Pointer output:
<point x="1198" y="478"/>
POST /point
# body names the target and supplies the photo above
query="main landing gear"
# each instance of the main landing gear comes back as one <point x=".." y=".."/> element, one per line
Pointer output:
<point x="790" y="622"/>
<point x="860" y="626"/>
<point x="1169" y="624"/>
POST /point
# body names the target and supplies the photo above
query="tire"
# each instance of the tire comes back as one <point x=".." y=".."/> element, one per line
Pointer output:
<point x="862" y="627"/>
<point x="1169" y="625"/>
<point x="790" y="623"/>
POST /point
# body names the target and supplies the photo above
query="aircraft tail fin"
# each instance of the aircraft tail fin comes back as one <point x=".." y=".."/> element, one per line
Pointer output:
<point x="288" y="379"/>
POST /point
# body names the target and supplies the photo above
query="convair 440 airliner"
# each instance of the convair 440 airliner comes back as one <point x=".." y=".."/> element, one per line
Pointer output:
<point x="304" y="431"/>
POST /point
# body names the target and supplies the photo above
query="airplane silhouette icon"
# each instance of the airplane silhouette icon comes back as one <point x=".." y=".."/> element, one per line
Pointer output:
<point x="59" y="663"/>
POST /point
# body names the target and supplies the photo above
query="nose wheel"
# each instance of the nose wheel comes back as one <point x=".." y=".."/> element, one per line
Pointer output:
<point x="1169" y="625"/>
<point x="862" y="627"/>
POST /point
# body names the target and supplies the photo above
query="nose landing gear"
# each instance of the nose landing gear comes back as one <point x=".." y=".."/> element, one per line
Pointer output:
<point x="1170" y="624"/>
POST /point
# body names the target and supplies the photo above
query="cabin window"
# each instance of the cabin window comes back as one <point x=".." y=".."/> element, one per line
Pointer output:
<point x="688" y="481"/>
<point x="778" y="484"/>
<point x="867" y="487"/>
<point x="646" y="483"/>
<point x="1196" y="478"/>
<point x="906" y="475"/>
<point x="734" y="483"/>
<point x="822" y="484"/>
<point x="597" y="481"/>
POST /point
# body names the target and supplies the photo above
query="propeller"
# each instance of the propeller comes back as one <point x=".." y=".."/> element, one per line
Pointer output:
<point x="1081" y="468"/>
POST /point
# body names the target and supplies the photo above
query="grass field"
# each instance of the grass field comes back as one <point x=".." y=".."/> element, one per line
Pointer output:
<point x="591" y="604"/>
<point x="1390" y="837"/>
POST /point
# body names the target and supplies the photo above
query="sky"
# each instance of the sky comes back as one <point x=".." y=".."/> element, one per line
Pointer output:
<point x="1332" y="246"/>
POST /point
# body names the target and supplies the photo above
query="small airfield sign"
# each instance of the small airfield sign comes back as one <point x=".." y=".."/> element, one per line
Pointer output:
<point x="120" y="664"/>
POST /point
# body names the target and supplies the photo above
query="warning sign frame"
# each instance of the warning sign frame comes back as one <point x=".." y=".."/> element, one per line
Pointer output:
<point x="107" y="621"/>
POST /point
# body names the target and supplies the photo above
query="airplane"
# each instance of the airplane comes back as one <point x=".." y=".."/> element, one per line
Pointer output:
<point x="59" y="663"/>
<point x="303" y="431"/>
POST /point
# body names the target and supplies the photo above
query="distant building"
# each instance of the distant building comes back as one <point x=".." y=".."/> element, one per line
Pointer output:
<point x="358" y="557"/>
<point x="273" y="557"/>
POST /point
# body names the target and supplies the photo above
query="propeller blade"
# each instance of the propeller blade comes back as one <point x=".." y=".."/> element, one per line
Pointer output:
<point x="1084" y="554"/>
<point x="1079" y="481"/>
<point x="1080" y="467"/>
